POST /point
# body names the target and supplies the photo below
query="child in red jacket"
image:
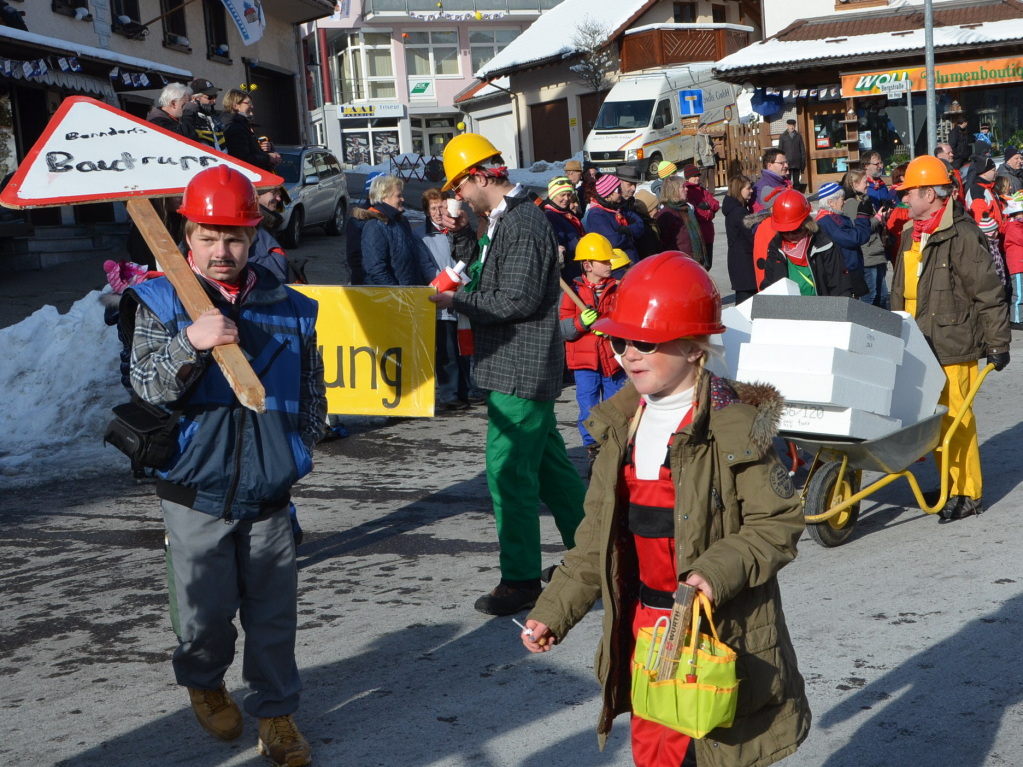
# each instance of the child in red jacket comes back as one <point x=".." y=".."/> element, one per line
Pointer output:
<point x="597" y="373"/>
<point x="1013" y="231"/>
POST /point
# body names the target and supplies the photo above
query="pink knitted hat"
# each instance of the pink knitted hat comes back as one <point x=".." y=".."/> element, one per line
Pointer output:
<point x="607" y="184"/>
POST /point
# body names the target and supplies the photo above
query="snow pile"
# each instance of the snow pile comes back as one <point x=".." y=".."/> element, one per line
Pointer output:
<point x="59" y="377"/>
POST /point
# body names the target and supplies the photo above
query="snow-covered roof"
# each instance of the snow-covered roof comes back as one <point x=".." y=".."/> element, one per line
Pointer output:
<point x="87" y="51"/>
<point x="550" y="36"/>
<point x="775" y="54"/>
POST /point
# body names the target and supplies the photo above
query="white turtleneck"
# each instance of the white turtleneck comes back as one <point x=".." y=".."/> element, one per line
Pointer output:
<point x="660" y="420"/>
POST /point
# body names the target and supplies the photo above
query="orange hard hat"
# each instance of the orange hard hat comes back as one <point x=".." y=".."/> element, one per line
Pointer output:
<point x="789" y="211"/>
<point x="662" y="298"/>
<point x="220" y="196"/>
<point x="925" y="170"/>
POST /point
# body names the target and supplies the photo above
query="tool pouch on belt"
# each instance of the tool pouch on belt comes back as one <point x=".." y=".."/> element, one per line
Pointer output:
<point x="703" y="692"/>
<point x="148" y="435"/>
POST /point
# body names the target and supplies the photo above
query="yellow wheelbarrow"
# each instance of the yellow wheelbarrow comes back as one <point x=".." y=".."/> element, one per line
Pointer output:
<point x="831" y="495"/>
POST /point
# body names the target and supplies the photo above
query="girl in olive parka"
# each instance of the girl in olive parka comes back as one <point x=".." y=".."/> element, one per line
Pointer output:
<point x="687" y="488"/>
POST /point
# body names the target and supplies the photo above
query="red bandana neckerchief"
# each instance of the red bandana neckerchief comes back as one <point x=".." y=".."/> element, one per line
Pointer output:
<point x="928" y="226"/>
<point x="796" y="251"/>
<point x="567" y="214"/>
<point x="233" y="293"/>
<point x="620" y="218"/>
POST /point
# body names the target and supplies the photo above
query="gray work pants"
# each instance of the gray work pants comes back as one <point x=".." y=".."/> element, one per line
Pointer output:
<point x="216" y="569"/>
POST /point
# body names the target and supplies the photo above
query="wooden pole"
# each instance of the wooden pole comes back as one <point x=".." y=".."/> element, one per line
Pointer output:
<point x="237" y="370"/>
<point x="573" y="295"/>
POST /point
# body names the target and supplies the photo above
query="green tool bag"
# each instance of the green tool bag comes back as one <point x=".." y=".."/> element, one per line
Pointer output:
<point x="704" y="690"/>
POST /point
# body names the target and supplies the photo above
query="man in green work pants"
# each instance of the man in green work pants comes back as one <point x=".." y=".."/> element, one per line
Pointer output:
<point x="512" y="302"/>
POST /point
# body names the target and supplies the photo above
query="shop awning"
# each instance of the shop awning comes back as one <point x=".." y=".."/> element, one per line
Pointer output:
<point x="864" y="38"/>
<point x="48" y="46"/>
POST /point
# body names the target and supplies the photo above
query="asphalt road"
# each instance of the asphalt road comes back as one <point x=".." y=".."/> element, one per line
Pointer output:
<point x="907" y="635"/>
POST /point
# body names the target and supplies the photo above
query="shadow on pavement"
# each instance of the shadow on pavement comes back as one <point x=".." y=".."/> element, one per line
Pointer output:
<point x="949" y="701"/>
<point x="421" y="695"/>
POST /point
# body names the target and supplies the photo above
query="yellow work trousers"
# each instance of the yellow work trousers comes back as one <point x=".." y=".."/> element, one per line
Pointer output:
<point x="963" y="449"/>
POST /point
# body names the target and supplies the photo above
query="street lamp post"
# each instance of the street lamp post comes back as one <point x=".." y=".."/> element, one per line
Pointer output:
<point x="932" y="118"/>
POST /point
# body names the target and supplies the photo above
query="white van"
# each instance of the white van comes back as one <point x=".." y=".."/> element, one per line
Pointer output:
<point x="640" y="122"/>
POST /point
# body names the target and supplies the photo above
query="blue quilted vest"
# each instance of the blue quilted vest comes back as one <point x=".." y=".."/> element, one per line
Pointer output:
<point x="232" y="462"/>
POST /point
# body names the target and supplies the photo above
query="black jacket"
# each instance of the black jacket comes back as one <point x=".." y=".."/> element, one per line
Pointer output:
<point x="826" y="265"/>
<point x="959" y="140"/>
<point x="741" y="273"/>
<point x="160" y="118"/>
<point x="794" y="148"/>
<point x="241" y="142"/>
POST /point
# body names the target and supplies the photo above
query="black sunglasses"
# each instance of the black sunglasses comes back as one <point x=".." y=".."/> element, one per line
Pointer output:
<point x="619" y="345"/>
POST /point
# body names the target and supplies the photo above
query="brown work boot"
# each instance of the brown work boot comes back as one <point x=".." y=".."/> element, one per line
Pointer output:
<point x="217" y="712"/>
<point x="282" y="743"/>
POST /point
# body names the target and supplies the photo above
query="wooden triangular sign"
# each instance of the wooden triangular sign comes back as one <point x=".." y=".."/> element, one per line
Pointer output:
<point x="91" y="151"/>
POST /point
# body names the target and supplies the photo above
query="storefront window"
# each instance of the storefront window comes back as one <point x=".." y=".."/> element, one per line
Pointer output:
<point x="484" y="44"/>
<point x="1001" y="107"/>
<point x="366" y="67"/>
<point x="369" y="141"/>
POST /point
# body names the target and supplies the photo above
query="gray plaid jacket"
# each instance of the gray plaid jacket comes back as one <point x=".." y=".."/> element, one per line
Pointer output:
<point x="514" y="312"/>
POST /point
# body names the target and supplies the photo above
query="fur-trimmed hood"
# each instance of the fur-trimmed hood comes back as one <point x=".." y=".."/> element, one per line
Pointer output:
<point x="753" y="220"/>
<point x="617" y="412"/>
<point x="769" y="404"/>
<point x="367" y="214"/>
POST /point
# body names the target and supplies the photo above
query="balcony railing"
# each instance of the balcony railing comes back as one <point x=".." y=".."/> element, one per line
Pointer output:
<point x="371" y="7"/>
<point x="668" y="44"/>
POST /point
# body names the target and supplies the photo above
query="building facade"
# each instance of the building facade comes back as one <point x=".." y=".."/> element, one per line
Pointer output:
<point x="123" y="52"/>
<point x="532" y="92"/>
<point x="831" y="71"/>
<point x="384" y="74"/>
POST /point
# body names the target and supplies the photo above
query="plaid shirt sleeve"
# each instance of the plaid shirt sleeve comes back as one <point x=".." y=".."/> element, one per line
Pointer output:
<point x="162" y="366"/>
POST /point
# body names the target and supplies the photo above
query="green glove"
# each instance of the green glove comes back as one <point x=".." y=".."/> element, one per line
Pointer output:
<point x="589" y="316"/>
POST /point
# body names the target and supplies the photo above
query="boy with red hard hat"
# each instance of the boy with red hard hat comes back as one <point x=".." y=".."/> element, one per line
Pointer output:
<point x="598" y="376"/>
<point x="800" y="251"/>
<point x="726" y="530"/>
<point x="225" y="494"/>
<point x="947" y="281"/>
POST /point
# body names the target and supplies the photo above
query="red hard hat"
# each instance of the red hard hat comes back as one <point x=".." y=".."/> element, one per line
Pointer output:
<point x="789" y="211"/>
<point x="662" y="298"/>
<point x="221" y="196"/>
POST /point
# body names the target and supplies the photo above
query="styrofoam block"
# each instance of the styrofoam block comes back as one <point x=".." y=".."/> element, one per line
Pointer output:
<point x="839" y="335"/>
<point x="807" y="418"/>
<point x="823" y="389"/>
<point x="827" y="309"/>
<point x="737" y="331"/>
<point x="782" y="287"/>
<point x="818" y="359"/>
<point x="919" y="379"/>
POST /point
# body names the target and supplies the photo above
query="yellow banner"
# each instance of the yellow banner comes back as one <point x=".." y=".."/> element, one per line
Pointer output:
<point x="961" y="74"/>
<point x="378" y="349"/>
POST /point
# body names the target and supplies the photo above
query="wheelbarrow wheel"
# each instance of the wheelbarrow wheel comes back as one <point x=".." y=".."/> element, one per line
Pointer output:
<point x="824" y="493"/>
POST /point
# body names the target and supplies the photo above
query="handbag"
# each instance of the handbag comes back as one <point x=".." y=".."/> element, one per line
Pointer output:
<point x="702" y="694"/>
<point x="148" y="435"/>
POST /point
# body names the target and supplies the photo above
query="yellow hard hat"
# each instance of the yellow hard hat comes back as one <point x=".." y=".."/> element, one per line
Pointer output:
<point x="593" y="247"/>
<point x="463" y="152"/>
<point x="925" y="170"/>
<point x="621" y="258"/>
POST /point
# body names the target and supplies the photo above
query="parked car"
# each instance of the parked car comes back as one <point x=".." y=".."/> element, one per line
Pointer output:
<point x="318" y="189"/>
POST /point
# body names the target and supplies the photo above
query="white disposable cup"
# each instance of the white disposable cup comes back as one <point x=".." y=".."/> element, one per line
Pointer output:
<point x="454" y="207"/>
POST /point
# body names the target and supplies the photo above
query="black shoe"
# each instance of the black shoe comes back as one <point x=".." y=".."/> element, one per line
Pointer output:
<point x="454" y="406"/>
<point x="477" y="399"/>
<point x="507" y="600"/>
<point x="548" y="572"/>
<point x="959" y="507"/>
<point x="1016" y="325"/>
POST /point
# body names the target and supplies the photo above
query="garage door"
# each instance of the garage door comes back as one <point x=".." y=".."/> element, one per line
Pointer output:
<point x="549" y="121"/>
